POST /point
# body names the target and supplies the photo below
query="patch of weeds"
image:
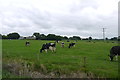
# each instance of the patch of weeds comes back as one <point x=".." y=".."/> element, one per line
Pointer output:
<point x="36" y="67"/>
<point x="7" y="74"/>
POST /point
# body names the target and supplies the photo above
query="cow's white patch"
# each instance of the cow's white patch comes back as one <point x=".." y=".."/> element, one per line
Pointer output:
<point x="51" y="43"/>
<point x="116" y="57"/>
<point x="51" y="48"/>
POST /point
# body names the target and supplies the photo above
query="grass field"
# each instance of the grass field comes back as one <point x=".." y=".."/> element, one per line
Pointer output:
<point x="65" y="60"/>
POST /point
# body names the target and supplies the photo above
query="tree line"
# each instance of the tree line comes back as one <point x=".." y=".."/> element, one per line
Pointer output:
<point x="40" y="36"/>
<point x="49" y="37"/>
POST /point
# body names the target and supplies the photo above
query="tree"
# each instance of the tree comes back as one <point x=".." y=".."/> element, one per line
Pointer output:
<point x="118" y="38"/>
<point x="43" y="37"/>
<point x="13" y="36"/>
<point x="90" y="38"/>
<point x="37" y="35"/>
<point x="85" y="39"/>
<point x="75" y="38"/>
<point x="71" y="38"/>
<point x="106" y="38"/>
<point x="59" y="37"/>
<point x="0" y="36"/>
<point x="4" y="37"/>
<point x="114" y="38"/>
<point x="65" y="37"/>
<point x="51" y="37"/>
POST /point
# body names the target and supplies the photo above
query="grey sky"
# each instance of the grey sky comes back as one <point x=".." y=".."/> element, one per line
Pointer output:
<point x="82" y="18"/>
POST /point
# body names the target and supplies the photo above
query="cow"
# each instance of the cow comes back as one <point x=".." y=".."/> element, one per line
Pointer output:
<point x="114" y="51"/>
<point x="48" y="46"/>
<point x="68" y="40"/>
<point x="71" y="44"/>
<point x="57" y="41"/>
<point x="27" y="43"/>
<point x="62" y="44"/>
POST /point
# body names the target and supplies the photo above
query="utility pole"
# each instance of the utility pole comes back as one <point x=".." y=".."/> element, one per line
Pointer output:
<point x="104" y="33"/>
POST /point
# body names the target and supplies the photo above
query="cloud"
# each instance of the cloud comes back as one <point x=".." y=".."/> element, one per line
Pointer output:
<point x="69" y="17"/>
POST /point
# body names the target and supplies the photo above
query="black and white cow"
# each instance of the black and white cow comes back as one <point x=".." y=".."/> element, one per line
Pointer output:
<point x="27" y="43"/>
<point x="62" y="44"/>
<point x="114" y="51"/>
<point x="48" y="46"/>
<point x="71" y="44"/>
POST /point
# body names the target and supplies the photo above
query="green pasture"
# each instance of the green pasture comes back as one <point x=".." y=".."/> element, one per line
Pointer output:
<point x="65" y="60"/>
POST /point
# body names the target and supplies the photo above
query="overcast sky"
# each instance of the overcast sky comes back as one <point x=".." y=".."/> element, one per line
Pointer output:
<point x="82" y="18"/>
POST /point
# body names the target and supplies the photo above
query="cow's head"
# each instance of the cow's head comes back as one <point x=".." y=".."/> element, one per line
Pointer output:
<point x="40" y="50"/>
<point x="111" y="57"/>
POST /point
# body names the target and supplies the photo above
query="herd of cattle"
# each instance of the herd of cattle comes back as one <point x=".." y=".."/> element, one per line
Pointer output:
<point x="114" y="51"/>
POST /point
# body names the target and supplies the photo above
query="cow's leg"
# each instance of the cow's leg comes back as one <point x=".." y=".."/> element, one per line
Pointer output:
<point x="54" y="49"/>
<point x="62" y="45"/>
<point x="46" y="50"/>
<point x="69" y="46"/>
<point x="116" y="57"/>
<point x="110" y="58"/>
<point x="26" y="44"/>
<point x="40" y="50"/>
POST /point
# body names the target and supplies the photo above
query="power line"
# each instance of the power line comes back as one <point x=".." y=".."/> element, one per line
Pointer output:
<point x="104" y="33"/>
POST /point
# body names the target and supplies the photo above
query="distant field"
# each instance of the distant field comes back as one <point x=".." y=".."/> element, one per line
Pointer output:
<point x="65" y="60"/>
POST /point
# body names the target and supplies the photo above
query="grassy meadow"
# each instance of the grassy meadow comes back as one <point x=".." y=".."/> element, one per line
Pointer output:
<point x="65" y="60"/>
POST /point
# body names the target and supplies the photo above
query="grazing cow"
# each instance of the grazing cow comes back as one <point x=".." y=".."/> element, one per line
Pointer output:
<point x="27" y="43"/>
<point x="71" y="44"/>
<point x="62" y="44"/>
<point x="114" y="51"/>
<point x="57" y="41"/>
<point x="68" y="40"/>
<point x="48" y="46"/>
